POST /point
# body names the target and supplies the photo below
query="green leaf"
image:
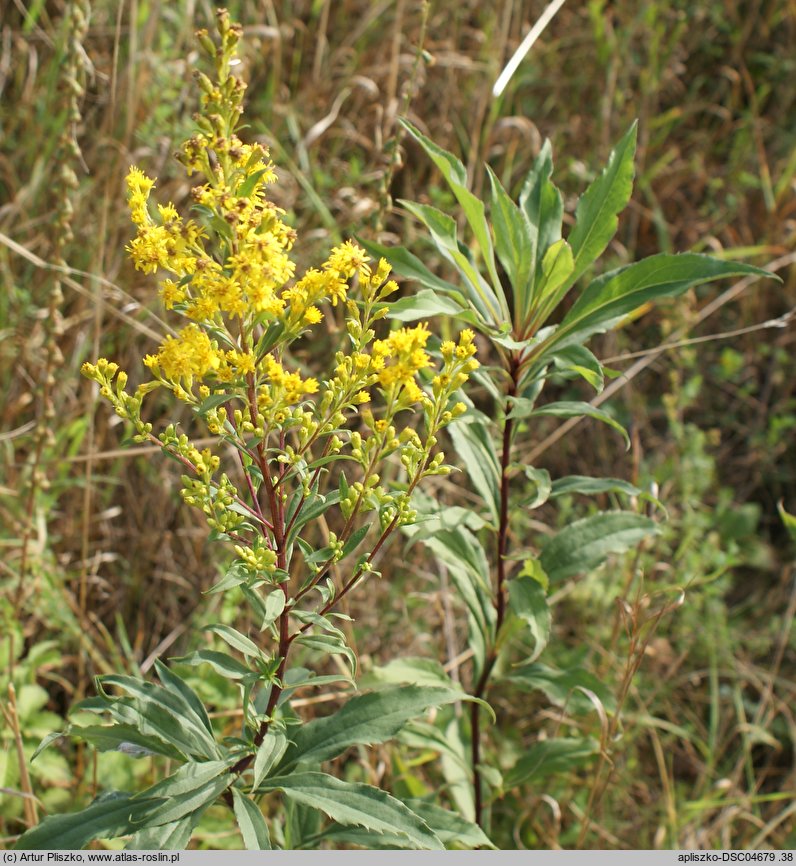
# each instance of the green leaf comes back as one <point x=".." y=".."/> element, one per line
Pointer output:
<point x="596" y="216"/>
<point x="452" y="829"/>
<point x="564" y="688"/>
<point x="329" y="645"/>
<point x="171" y="681"/>
<point x="223" y="663"/>
<point x="592" y="486"/>
<point x="274" y="605"/>
<point x="540" y="478"/>
<point x="235" y="575"/>
<point x="358" y="804"/>
<point x="620" y="292"/>
<point x="251" y="822"/>
<point x="549" y="757"/>
<point x="164" y="713"/>
<point x="557" y="268"/>
<point x="415" y="671"/>
<point x="444" y="235"/>
<point x="235" y="639"/>
<point x="579" y="360"/>
<point x="587" y="543"/>
<point x="269" y="753"/>
<point x="473" y="208"/>
<point x="788" y="520"/>
<point x="476" y="449"/>
<point x="568" y="409"/>
<point x="363" y="720"/>
<point x="406" y="264"/>
<point x="528" y="602"/>
<point x="114" y="814"/>
<point x="126" y="739"/>
<point x="167" y="837"/>
<point x="542" y="204"/>
<point x="514" y="241"/>
<point x="356" y="539"/>
<point x="427" y="303"/>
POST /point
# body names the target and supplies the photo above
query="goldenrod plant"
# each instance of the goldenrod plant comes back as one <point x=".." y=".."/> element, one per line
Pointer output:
<point x="518" y="284"/>
<point x="292" y="453"/>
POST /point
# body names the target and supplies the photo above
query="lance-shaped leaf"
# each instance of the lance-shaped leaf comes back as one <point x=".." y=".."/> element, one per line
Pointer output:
<point x="364" y="719"/>
<point x="408" y="265"/>
<point x="567" y="409"/>
<point x="251" y="822"/>
<point x="477" y="451"/>
<point x="473" y="208"/>
<point x="587" y="543"/>
<point x="515" y="240"/>
<point x="596" y="216"/>
<point x="166" y="714"/>
<point x="541" y="202"/>
<point x="358" y="804"/>
<point x="620" y="292"/>
<point x="528" y="602"/>
<point x="442" y="228"/>
<point x="114" y="814"/>
<point x="557" y="756"/>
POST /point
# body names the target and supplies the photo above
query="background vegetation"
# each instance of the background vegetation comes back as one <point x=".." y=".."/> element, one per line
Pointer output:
<point x="102" y="569"/>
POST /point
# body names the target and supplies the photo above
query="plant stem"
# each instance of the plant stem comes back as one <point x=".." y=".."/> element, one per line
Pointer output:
<point x="500" y="595"/>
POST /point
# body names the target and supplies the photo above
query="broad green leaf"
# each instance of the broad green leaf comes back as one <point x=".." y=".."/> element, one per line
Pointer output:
<point x="191" y="789"/>
<point x="579" y="360"/>
<point x="407" y="265"/>
<point x="557" y="756"/>
<point x="564" y="688"/>
<point x="620" y="292"/>
<point x="427" y="303"/>
<point x="477" y="451"/>
<point x="514" y="241"/>
<point x="587" y="543"/>
<point x="172" y="681"/>
<point x="269" y="753"/>
<point x="252" y="824"/>
<point x="114" y="814"/>
<point x="126" y="739"/>
<point x="540" y="478"/>
<point x="274" y="605"/>
<point x="330" y="645"/>
<point x="154" y="710"/>
<point x="592" y="486"/>
<point x="235" y="639"/>
<point x="453" y="831"/>
<point x="356" y="803"/>
<point x="557" y="268"/>
<point x="166" y="837"/>
<point x="234" y="576"/>
<point x="364" y="719"/>
<point x="451" y="828"/>
<point x="528" y="602"/>
<point x="224" y="663"/>
<point x="541" y="202"/>
<point x="596" y="216"/>
<point x="569" y="409"/>
<point x="444" y="234"/>
<point x="473" y="208"/>
<point x="416" y="671"/>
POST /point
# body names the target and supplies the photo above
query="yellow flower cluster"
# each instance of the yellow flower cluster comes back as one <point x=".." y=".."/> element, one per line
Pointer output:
<point x="190" y="354"/>
<point x="403" y="355"/>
